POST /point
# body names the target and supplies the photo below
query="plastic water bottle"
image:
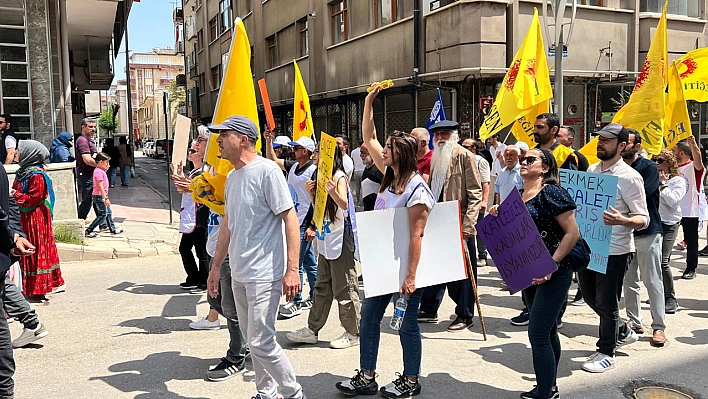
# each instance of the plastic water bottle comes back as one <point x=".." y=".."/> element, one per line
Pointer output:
<point x="398" y="312"/>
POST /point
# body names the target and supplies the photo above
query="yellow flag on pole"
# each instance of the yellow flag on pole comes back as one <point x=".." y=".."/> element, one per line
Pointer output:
<point x="693" y="71"/>
<point x="590" y="151"/>
<point x="528" y="71"/>
<point x="302" y="117"/>
<point x="646" y="109"/>
<point x="237" y="95"/>
<point x="678" y="124"/>
<point x="523" y="127"/>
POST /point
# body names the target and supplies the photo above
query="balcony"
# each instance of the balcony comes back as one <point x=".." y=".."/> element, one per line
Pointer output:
<point x="177" y="16"/>
<point x="179" y="47"/>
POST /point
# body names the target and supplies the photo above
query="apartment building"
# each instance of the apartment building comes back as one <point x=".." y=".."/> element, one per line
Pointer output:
<point x="151" y="73"/>
<point x="462" y="47"/>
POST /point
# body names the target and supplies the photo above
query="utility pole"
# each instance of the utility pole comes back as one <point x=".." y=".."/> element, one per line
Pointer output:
<point x="559" y="42"/>
<point x="168" y="154"/>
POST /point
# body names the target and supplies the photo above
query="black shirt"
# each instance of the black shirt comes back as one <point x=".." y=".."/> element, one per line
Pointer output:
<point x="551" y="201"/>
<point x="650" y="174"/>
<point x="583" y="163"/>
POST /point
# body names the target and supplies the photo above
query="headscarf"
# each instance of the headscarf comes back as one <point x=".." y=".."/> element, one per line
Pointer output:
<point x="32" y="155"/>
<point x="32" y="152"/>
<point x="59" y="150"/>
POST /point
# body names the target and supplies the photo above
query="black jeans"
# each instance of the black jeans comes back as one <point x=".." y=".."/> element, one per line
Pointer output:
<point x="690" y="235"/>
<point x="85" y="184"/>
<point x="670" y="232"/>
<point x="197" y="239"/>
<point x="7" y="362"/>
<point x="460" y="291"/>
<point x="602" y="292"/>
<point x="544" y="303"/>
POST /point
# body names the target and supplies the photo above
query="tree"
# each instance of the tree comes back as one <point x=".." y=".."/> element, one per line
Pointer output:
<point x="177" y="94"/>
<point x="108" y="122"/>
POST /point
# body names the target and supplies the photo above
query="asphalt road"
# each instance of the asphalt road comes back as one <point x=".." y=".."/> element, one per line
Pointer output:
<point x="155" y="173"/>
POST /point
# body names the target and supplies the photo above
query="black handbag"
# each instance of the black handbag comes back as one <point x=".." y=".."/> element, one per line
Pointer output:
<point x="578" y="258"/>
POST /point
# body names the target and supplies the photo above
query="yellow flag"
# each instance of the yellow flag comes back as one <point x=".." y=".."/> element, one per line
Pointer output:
<point x="529" y="71"/>
<point x="693" y="71"/>
<point x="523" y="127"/>
<point x="590" y="151"/>
<point x="646" y="109"/>
<point x="561" y="154"/>
<point x="237" y="95"/>
<point x="302" y="117"/>
<point x="678" y="124"/>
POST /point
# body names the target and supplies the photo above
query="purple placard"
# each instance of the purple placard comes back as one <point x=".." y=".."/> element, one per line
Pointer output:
<point x="515" y="245"/>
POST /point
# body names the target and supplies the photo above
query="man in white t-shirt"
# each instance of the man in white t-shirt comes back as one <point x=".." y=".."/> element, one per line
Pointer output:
<point x="496" y="148"/>
<point x="258" y="201"/>
<point x="347" y="161"/>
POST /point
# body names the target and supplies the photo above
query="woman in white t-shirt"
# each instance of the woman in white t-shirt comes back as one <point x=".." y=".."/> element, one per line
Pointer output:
<point x="336" y="272"/>
<point x="402" y="186"/>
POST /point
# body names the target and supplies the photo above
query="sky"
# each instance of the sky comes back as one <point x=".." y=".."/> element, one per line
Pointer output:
<point x="149" y="25"/>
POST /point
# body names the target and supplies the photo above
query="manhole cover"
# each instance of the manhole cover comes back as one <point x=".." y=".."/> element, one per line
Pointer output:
<point x="659" y="393"/>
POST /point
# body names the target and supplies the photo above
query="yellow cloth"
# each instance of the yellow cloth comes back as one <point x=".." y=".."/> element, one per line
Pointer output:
<point x="646" y="109"/>
<point x="526" y="84"/>
<point x="693" y="70"/>
<point x="237" y="95"/>
<point x="209" y="190"/>
<point x="561" y="154"/>
<point x="590" y="151"/>
<point x="302" y="115"/>
<point x="678" y="123"/>
<point x="523" y="127"/>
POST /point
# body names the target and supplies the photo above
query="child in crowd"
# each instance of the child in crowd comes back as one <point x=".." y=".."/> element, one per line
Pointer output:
<point x="100" y="197"/>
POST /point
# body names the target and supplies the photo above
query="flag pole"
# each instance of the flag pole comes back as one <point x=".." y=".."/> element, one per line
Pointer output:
<point x="470" y="271"/>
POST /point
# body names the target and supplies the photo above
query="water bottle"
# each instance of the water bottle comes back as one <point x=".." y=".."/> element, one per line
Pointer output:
<point x="398" y="312"/>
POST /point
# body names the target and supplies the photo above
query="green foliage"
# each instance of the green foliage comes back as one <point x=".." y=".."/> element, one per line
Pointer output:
<point x="177" y="94"/>
<point x="65" y="234"/>
<point x="106" y="122"/>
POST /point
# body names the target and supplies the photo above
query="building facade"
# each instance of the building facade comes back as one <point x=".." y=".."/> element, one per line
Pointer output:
<point x="51" y="53"/>
<point x="462" y="47"/>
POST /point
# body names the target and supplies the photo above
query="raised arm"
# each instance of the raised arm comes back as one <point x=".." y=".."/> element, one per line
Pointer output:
<point x="368" y="130"/>
<point x="270" y="154"/>
<point x="695" y="153"/>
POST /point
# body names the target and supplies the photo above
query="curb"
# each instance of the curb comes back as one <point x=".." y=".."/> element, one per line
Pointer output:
<point x="79" y="253"/>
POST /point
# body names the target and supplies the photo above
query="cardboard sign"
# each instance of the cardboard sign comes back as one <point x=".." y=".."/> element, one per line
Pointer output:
<point x="515" y="244"/>
<point x="181" y="143"/>
<point x="593" y="194"/>
<point x="384" y="238"/>
<point x="328" y="145"/>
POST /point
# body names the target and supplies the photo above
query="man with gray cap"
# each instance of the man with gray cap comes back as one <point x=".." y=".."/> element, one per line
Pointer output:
<point x="602" y="292"/>
<point x="257" y="203"/>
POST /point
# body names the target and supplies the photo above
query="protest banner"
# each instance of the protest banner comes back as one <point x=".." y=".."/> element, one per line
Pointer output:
<point x="181" y="140"/>
<point x="515" y="244"/>
<point x="384" y="238"/>
<point x="593" y="194"/>
<point x="328" y="145"/>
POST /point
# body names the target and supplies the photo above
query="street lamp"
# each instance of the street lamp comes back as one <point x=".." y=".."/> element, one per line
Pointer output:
<point x="558" y="9"/>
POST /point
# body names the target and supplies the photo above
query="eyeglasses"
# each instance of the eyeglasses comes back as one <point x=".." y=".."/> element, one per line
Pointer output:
<point x="659" y="160"/>
<point x="192" y="151"/>
<point x="529" y="160"/>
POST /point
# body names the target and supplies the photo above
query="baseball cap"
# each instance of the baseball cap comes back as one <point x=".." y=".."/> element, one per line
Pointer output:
<point x="281" y="140"/>
<point x="240" y="124"/>
<point x="614" y="131"/>
<point x="522" y="145"/>
<point x="444" y="125"/>
<point x="305" y="142"/>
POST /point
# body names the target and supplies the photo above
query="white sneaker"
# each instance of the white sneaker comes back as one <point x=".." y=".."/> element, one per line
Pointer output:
<point x="345" y="341"/>
<point x="629" y="339"/>
<point x="61" y="288"/>
<point x="28" y="336"/>
<point x="599" y="363"/>
<point x="303" y="336"/>
<point x="204" y="324"/>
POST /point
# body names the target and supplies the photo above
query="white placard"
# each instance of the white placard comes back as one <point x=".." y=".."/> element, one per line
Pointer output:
<point x="179" y="149"/>
<point x="384" y="238"/>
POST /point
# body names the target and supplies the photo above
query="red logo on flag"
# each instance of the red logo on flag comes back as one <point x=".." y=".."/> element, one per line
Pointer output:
<point x="531" y="68"/>
<point x="303" y="124"/>
<point x="691" y="67"/>
<point x="643" y="74"/>
<point x="512" y="74"/>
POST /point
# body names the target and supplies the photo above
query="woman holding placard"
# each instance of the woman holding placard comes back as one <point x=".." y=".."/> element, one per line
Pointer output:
<point x="402" y="186"/>
<point x="672" y="189"/>
<point x="336" y="272"/>
<point x="552" y="210"/>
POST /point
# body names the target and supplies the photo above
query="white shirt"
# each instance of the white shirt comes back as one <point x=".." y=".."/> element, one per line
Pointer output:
<point x="296" y="184"/>
<point x="483" y="167"/>
<point x="10" y="142"/>
<point x="670" y="198"/>
<point x="416" y="192"/>
<point x="630" y="201"/>
<point x="507" y="180"/>
<point x="329" y="240"/>
<point x="358" y="163"/>
<point x="348" y="166"/>
<point x="496" y="164"/>
<point x="690" y="203"/>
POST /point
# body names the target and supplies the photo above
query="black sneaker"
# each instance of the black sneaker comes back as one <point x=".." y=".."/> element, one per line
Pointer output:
<point x="533" y="394"/>
<point x="306" y="304"/>
<point x="290" y="310"/>
<point x="187" y="286"/>
<point x="689" y="275"/>
<point x="358" y="385"/>
<point x="522" y="319"/>
<point x="671" y="305"/>
<point x="427" y="317"/>
<point x="224" y="370"/>
<point x="401" y="387"/>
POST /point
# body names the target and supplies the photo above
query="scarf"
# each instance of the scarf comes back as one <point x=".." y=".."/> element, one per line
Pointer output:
<point x="24" y="174"/>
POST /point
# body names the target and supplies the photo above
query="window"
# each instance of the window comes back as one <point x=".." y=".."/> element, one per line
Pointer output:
<point x="272" y="54"/>
<point x="385" y="12"/>
<point x="212" y="29"/>
<point x="168" y="60"/>
<point x="200" y="40"/>
<point x="215" y="78"/>
<point x="148" y="89"/>
<point x="225" y="12"/>
<point x="224" y="63"/>
<point x="598" y="3"/>
<point x="303" y="47"/>
<point x="148" y="73"/>
<point x="202" y="83"/>
<point x="689" y="8"/>
<point x="338" y="21"/>
<point x="14" y="70"/>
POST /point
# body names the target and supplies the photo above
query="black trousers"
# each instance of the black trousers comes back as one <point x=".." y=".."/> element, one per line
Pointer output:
<point x="690" y="235"/>
<point x="460" y="291"/>
<point x="197" y="239"/>
<point x="7" y="362"/>
<point x="602" y="292"/>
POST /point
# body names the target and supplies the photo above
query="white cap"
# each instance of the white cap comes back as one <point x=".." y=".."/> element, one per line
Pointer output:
<point x="281" y="140"/>
<point x="305" y="142"/>
<point x="522" y="146"/>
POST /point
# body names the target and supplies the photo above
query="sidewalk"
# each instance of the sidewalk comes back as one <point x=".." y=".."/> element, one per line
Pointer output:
<point x="144" y="216"/>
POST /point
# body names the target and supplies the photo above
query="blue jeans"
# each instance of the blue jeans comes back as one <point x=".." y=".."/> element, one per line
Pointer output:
<point x="125" y="175"/>
<point x="112" y="176"/>
<point x="544" y="302"/>
<point x="308" y="264"/>
<point x="372" y="311"/>
<point x="104" y="215"/>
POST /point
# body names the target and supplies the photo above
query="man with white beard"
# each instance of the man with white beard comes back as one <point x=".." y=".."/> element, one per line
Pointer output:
<point x="454" y="177"/>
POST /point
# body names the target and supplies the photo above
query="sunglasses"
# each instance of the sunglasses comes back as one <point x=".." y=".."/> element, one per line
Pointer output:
<point x="467" y="146"/>
<point x="192" y="151"/>
<point x="528" y="160"/>
<point x="659" y="160"/>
